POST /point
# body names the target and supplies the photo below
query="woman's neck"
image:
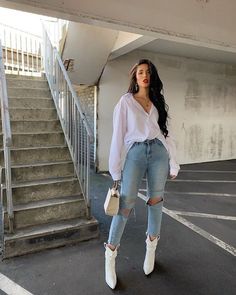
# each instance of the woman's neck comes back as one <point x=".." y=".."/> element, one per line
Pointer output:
<point x="143" y="92"/>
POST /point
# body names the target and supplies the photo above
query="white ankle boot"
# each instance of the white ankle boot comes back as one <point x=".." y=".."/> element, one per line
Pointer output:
<point x="110" y="267"/>
<point x="149" y="261"/>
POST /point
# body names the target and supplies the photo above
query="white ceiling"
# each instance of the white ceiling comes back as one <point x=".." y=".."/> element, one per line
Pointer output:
<point x="198" y="29"/>
<point x="223" y="55"/>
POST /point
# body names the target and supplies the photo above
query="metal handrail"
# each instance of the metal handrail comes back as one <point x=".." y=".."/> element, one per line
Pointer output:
<point x="7" y="141"/>
<point x="77" y="131"/>
<point x="22" y="51"/>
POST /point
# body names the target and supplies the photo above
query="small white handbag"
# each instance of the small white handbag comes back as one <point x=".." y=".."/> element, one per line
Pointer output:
<point x="111" y="205"/>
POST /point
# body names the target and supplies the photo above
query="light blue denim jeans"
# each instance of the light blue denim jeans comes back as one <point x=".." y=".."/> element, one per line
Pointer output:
<point x="148" y="158"/>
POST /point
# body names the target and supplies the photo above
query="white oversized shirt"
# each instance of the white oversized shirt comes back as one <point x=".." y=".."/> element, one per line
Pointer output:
<point x="131" y="123"/>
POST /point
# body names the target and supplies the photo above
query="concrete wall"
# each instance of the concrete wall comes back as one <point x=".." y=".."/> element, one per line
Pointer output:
<point x="202" y="100"/>
<point x="86" y="96"/>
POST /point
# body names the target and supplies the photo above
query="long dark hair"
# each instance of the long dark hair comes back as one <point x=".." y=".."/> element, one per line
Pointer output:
<point x="155" y="95"/>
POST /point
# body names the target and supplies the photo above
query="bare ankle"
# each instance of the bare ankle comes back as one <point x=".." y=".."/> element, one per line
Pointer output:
<point x="152" y="238"/>
<point x="112" y="247"/>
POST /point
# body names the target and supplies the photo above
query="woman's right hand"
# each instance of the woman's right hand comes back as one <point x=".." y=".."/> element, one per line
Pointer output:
<point x="172" y="176"/>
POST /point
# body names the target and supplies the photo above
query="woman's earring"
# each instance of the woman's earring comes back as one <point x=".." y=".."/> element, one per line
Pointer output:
<point x="136" y="87"/>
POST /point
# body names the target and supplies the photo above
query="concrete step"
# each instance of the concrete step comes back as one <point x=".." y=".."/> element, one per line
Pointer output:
<point x="49" y="207"/>
<point x="32" y="114"/>
<point x="26" y="77"/>
<point x="28" y="92"/>
<point x="40" y="171"/>
<point x="53" y="235"/>
<point x="27" y="83"/>
<point x="37" y="155"/>
<point x="47" y="211"/>
<point x="36" y="139"/>
<point x="38" y="190"/>
<point x="31" y="103"/>
<point x="34" y="126"/>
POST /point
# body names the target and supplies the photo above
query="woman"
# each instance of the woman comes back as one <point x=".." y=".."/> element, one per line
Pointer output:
<point x="140" y="128"/>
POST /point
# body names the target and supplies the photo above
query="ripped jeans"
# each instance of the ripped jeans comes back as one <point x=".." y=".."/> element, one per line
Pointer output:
<point x="148" y="158"/>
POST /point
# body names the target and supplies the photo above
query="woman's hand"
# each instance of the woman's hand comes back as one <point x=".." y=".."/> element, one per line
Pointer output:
<point x="116" y="184"/>
<point x="172" y="176"/>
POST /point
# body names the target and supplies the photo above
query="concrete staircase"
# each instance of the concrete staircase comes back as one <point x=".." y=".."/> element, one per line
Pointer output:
<point x="49" y="207"/>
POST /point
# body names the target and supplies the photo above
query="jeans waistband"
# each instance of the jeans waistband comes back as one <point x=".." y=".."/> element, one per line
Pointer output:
<point x="147" y="141"/>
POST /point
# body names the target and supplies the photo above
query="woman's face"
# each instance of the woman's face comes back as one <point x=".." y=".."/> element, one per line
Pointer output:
<point x="143" y="76"/>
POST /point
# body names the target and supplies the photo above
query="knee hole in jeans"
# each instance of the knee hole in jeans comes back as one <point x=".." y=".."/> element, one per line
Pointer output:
<point x="154" y="201"/>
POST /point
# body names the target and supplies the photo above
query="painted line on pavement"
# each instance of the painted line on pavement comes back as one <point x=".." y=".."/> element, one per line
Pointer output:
<point x="201" y="232"/>
<point x="144" y="198"/>
<point x="201" y="180"/>
<point x="197" y="229"/>
<point x="207" y="171"/>
<point x="205" y="215"/>
<point x="200" y="194"/>
<point x="10" y="287"/>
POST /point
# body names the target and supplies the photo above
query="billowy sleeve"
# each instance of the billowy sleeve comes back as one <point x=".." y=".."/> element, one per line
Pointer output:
<point x="170" y="140"/>
<point x="117" y="142"/>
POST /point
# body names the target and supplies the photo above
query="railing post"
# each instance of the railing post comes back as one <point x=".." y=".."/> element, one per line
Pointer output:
<point x="57" y="81"/>
<point x="88" y="178"/>
<point x="9" y="188"/>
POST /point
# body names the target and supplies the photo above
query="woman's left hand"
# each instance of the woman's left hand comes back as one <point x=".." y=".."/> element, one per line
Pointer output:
<point x="172" y="176"/>
<point x="116" y="184"/>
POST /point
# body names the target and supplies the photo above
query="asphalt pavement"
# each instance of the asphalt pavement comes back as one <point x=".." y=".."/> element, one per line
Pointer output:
<point x="195" y="255"/>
